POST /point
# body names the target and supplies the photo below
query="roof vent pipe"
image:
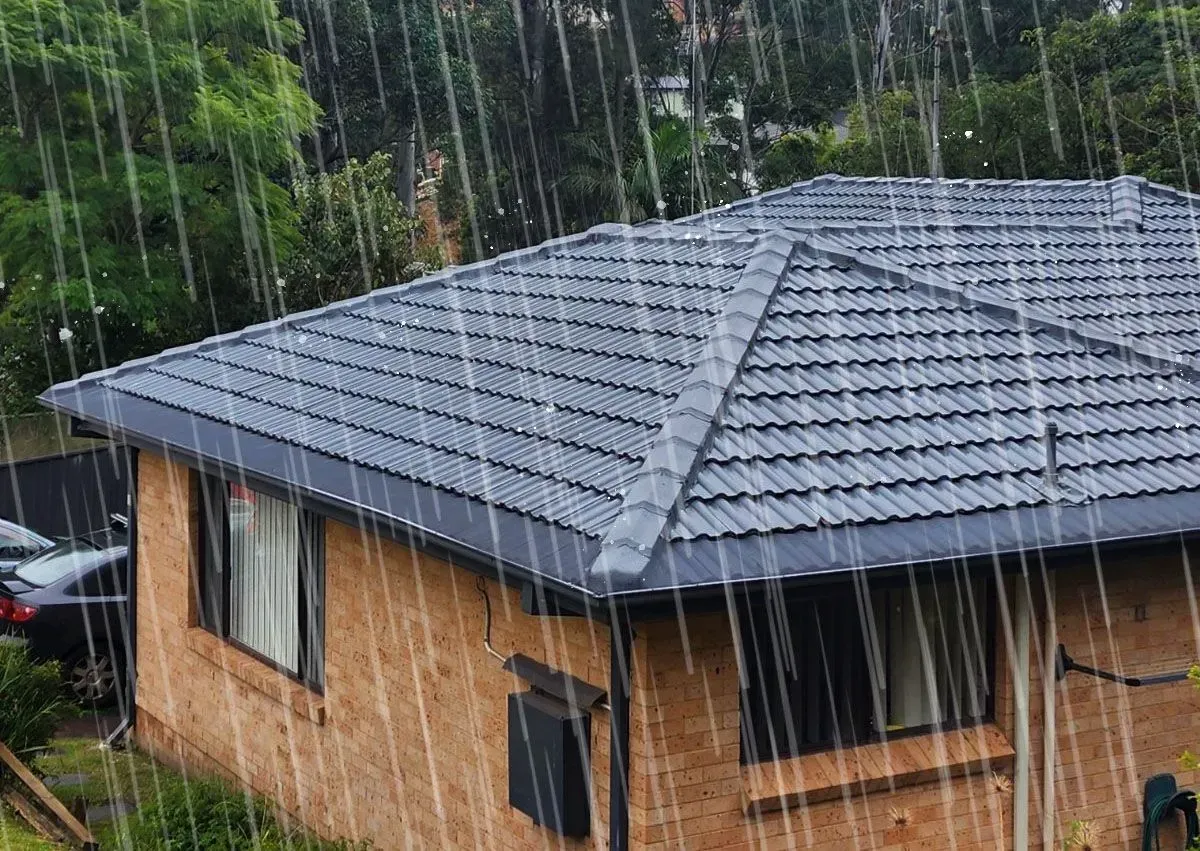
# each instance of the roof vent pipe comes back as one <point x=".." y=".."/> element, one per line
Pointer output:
<point x="1051" y="474"/>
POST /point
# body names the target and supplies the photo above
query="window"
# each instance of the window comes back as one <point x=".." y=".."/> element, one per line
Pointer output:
<point x="848" y="668"/>
<point x="261" y="582"/>
<point x="68" y="558"/>
<point x="14" y="546"/>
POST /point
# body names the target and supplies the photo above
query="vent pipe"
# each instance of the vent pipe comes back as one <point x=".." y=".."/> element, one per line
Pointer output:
<point x="1051" y="473"/>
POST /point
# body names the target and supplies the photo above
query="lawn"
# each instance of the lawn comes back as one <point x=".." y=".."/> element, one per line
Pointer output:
<point x="15" y="835"/>
<point x="102" y="775"/>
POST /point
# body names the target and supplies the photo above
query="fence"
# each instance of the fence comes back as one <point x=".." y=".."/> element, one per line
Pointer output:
<point x="65" y="494"/>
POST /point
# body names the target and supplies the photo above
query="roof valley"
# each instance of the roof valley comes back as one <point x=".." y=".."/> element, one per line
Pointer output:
<point x="655" y="496"/>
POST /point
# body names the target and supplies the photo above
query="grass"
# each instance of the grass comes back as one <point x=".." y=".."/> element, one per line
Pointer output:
<point x="127" y="775"/>
<point x="107" y="775"/>
<point x="16" y="835"/>
<point x="132" y="776"/>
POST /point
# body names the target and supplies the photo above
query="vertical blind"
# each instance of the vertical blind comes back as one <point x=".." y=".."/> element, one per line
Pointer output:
<point x="264" y="592"/>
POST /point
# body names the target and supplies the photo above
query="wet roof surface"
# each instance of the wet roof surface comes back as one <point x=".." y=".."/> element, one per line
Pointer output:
<point x="844" y="374"/>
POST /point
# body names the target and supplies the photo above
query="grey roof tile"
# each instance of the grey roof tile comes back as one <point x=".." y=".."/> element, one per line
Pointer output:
<point x="846" y="373"/>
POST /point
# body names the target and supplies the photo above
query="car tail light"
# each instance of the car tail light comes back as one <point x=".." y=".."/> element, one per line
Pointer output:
<point x="15" y="612"/>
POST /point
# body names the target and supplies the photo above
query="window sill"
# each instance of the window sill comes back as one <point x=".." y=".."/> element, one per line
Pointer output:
<point x="258" y="675"/>
<point x="772" y="786"/>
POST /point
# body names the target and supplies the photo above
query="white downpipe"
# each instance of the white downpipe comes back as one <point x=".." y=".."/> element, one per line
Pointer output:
<point x="1020" y="829"/>
<point x="1049" y="737"/>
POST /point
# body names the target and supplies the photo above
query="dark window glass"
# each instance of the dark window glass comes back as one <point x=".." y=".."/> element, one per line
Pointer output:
<point x="261" y="577"/>
<point x="841" y="669"/>
<point x="13" y="546"/>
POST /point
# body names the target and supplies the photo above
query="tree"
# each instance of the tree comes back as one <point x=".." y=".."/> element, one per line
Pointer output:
<point x="1113" y="95"/>
<point x="545" y="72"/>
<point x="376" y="69"/>
<point x="673" y="182"/>
<point x="138" y="143"/>
<point x="356" y="233"/>
<point x="794" y="157"/>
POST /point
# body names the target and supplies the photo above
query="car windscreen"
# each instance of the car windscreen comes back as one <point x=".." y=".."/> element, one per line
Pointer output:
<point x="65" y="559"/>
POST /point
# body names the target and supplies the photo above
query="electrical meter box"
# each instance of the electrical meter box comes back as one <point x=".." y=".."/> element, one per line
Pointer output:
<point x="549" y="744"/>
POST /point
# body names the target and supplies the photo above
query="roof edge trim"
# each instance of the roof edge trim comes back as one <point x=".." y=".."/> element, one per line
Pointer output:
<point x="656" y="494"/>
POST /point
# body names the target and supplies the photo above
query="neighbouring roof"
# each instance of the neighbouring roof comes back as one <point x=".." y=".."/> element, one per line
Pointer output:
<point x="844" y="374"/>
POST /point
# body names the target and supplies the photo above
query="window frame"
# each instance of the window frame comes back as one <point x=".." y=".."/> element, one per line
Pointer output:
<point x="213" y="579"/>
<point x="757" y="719"/>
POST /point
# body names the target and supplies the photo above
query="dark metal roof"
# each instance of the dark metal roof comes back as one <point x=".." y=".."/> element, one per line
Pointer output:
<point x="844" y="374"/>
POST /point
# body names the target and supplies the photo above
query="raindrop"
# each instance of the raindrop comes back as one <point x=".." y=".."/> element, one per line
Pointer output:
<point x="65" y="334"/>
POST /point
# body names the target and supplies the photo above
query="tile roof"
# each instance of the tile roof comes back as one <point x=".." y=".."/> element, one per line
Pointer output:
<point x="847" y="373"/>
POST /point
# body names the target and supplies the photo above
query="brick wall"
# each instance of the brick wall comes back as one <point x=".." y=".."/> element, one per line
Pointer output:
<point x="408" y="747"/>
<point x="412" y="751"/>
<point x="1109" y="738"/>
<point x="693" y="795"/>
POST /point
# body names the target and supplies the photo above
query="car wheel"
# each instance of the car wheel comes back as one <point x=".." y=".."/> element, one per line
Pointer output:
<point x="93" y="676"/>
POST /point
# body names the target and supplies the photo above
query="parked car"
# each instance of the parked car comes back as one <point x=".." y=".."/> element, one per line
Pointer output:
<point x="69" y="603"/>
<point x="18" y="543"/>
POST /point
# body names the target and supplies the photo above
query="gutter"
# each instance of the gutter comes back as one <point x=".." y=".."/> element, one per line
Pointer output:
<point x="354" y="514"/>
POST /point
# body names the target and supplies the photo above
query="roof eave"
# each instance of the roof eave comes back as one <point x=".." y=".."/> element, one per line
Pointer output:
<point x="402" y="530"/>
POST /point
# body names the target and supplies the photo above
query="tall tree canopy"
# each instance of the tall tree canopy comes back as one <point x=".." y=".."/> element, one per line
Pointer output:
<point x="138" y="143"/>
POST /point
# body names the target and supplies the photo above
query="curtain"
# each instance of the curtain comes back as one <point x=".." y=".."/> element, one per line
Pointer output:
<point x="264" y="593"/>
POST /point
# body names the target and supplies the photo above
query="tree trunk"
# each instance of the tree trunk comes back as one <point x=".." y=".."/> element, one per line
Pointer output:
<point x="537" y="61"/>
<point x="883" y="41"/>
<point x="406" y="167"/>
<point x="935" y="113"/>
<point x="697" y="77"/>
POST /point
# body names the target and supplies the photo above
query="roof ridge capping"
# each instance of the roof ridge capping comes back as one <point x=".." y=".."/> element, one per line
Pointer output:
<point x="1125" y="195"/>
<point x="653" y="500"/>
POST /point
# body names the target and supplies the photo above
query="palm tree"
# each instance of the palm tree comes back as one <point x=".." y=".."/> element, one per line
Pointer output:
<point x="672" y="172"/>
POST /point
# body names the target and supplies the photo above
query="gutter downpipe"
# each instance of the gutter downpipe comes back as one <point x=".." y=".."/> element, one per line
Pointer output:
<point x="620" y="647"/>
<point x="120" y="734"/>
<point x="1021" y="761"/>
<point x="1049" y="737"/>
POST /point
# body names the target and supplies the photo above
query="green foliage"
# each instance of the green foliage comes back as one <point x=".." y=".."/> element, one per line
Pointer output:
<point x="677" y="174"/>
<point x="32" y="700"/>
<point x="542" y="75"/>
<point x="1115" y="98"/>
<point x="137" y="157"/>
<point x="356" y="234"/>
<point x="206" y="814"/>
<point x="893" y="142"/>
<point x="794" y="157"/>
<point x="372" y="65"/>
<point x="1082" y="835"/>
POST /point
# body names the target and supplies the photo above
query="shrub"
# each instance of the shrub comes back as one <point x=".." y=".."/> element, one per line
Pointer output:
<point x="355" y="236"/>
<point x="32" y="701"/>
<point x="207" y="814"/>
